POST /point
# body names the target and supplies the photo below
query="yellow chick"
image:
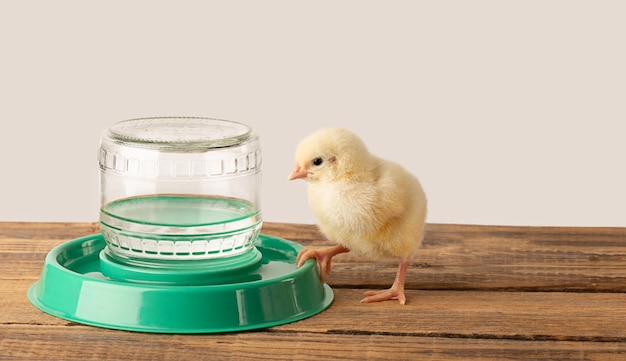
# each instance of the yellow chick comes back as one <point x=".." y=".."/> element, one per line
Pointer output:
<point x="364" y="203"/>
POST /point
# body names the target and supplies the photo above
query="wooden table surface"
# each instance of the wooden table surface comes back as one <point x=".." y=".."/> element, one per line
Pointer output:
<point x="474" y="293"/>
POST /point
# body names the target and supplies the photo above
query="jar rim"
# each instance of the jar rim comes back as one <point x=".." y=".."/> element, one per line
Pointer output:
<point x="180" y="133"/>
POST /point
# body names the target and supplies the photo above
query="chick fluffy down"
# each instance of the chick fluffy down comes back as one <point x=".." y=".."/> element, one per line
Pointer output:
<point x="371" y="205"/>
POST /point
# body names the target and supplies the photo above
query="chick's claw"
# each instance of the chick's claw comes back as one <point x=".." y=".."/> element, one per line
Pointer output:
<point x="385" y="295"/>
<point x="323" y="261"/>
<point x="323" y="257"/>
<point x="396" y="292"/>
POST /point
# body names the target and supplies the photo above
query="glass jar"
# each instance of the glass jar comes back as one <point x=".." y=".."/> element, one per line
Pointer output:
<point x="179" y="188"/>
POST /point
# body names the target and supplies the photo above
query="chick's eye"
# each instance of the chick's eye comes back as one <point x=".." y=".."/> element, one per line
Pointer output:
<point x="318" y="161"/>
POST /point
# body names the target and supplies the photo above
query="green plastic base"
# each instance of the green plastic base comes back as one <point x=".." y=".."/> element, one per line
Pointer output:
<point x="234" y="269"/>
<point x="80" y="283"/>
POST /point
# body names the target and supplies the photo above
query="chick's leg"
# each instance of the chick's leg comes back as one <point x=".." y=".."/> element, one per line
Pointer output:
<point x="396" y="292"/>
<point x="322" y="255"/>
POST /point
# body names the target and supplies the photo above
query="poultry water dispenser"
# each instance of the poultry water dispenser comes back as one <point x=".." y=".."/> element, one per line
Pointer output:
<point x="180" y="248"/>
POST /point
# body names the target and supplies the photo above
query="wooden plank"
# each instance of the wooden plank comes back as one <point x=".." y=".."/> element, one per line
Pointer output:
<point x="24" y="245"/>
<point x="474" y="309"/>
<point x="46" y="230"/>
<point x="309" y="235"/>
<point x="460" y="257"/>
<point x="453" y="257"/>
<point x="461" y="314"/>
<point x="24" y="342"/>
<point x="475" y="314"/>
<point x="455" y="233"/>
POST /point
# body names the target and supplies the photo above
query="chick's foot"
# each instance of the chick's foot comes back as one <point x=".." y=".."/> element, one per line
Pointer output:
<point x="396" y="292"/>
<point x="323" y="257"/>
<point x="393" y="293"/>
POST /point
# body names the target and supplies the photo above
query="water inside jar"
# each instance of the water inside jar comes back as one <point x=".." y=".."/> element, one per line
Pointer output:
<point x="170" y="225"/>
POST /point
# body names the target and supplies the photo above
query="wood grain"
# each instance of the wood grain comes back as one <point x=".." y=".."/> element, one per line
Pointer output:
<point x="474" y="293"/>
<point x="452" y="257"/>
<point x="460" y="314"/>
<point x="85" y="343"/>
<point x="457" y="257"/>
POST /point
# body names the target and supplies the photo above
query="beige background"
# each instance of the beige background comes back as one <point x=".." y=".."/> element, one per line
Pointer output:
<point x="510" y="112"/>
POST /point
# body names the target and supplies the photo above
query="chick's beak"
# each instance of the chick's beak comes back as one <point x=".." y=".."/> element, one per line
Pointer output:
<point x="297" y="172"/>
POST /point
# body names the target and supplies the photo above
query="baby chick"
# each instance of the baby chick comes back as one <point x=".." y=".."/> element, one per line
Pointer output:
<point x="362" y="202"/>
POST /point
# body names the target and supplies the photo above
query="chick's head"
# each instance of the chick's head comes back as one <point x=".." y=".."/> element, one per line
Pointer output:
<point x="330" y="155"/>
